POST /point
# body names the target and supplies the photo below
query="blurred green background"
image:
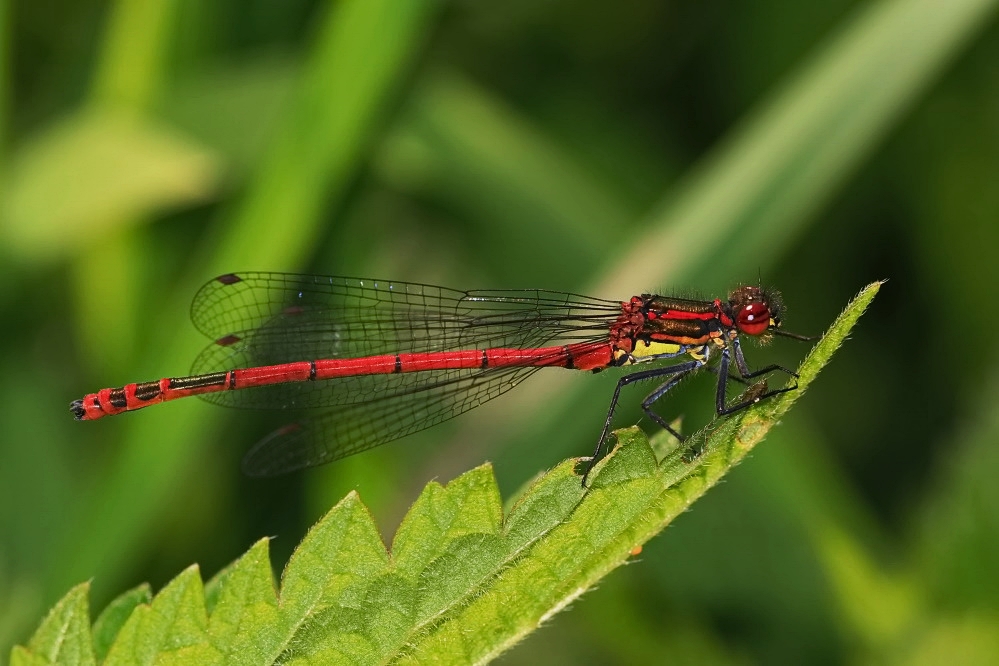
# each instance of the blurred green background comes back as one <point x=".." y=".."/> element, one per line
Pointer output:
<point x="603" y="148"/>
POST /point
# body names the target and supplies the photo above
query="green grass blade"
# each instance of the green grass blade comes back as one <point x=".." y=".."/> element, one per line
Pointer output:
<point x="132" y="65"/>
<point x="5" y="33"/>
<point x="464" y="146"/>
<point x="462" y="582"/>
<point x="750" y="197"/>
<point x="339" y="105"/>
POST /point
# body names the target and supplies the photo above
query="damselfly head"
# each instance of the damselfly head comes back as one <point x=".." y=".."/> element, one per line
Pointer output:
<point x="755" y="311"/>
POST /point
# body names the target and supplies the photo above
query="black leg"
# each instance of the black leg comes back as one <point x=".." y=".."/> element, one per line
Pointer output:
<point x="720" y="393"/>
<point x="678" y="369"/>
<point x="740" y="362"/>
<point x="735" y="378"/>
<point x="658" y="393"/>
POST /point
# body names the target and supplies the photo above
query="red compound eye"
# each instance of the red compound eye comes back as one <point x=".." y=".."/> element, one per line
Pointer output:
<point x="753" y="318"/>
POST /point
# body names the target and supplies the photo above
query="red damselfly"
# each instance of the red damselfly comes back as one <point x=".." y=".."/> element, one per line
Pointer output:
<point x="369" y="361"/>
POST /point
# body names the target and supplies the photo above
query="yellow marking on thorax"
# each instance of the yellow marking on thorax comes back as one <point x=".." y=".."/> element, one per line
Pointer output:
<point x="645" y="349"/>
<point x="698" y="353"/>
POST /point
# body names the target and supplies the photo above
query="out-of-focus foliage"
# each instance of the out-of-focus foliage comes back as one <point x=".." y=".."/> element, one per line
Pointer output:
<point x="609" y="148"/>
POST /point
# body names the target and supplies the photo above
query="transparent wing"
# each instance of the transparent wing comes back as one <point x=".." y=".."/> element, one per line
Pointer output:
<point x="364" y="317"/>
<point x="328" y="436"/>
<point x="261" y="319"/>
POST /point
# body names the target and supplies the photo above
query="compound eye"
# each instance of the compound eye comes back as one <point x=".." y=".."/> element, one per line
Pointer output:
<point x="753" y="318"/>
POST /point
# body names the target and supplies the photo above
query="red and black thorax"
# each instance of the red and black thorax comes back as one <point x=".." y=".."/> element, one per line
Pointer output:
<point x="662" y="326"/>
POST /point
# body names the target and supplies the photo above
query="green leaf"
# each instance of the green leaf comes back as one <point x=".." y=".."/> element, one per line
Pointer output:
<point x="462" y="583"/>
<point x="172" y="629"/>
<point x="64" y="636"/>
<point x="113" y="618"/>
<point x="244" y="610"/>
<point x="325" y="584"/>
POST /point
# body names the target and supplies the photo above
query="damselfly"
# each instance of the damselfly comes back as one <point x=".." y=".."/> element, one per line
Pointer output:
<point x="364" y="362"/>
